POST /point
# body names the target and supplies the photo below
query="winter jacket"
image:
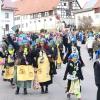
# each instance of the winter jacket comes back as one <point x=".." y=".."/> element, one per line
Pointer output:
<point x="97" y="72"/>
<point x="71" y="67"/>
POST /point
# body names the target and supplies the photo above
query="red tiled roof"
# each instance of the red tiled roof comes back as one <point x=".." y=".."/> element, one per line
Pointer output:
<point x="97" y="5"/>
<point x="8" y="4"/>
<point x="34" y="6"/>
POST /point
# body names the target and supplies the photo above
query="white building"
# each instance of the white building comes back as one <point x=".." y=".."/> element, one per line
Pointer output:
<point x="44" y="14"/>
<point x="6" y="18"/>
<point x="91" y="9"/>
<point x="0" y="17"/>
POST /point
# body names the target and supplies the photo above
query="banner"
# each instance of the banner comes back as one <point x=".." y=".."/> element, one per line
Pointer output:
<point x="9" y="73"/>
<point x="25" y="72"/>
<point x="14" y="28"/>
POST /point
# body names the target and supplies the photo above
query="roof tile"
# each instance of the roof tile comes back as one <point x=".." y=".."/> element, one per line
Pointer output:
<point x="34" y="6"/>
<point x="97" y="5"/>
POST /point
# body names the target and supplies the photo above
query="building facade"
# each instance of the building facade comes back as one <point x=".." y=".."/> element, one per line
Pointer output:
<point x="91" y="9"/>
<point x="44" y="14"/>
<point x="6" y="19"/>
<point x="0" y="18"/>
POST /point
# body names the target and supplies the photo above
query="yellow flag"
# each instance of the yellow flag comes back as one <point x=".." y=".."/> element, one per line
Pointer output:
<point x="25" y="72"/>
<point x="9" y="73"/>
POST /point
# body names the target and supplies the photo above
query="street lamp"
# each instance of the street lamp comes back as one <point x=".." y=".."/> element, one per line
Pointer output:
<point x="4" y="30"/>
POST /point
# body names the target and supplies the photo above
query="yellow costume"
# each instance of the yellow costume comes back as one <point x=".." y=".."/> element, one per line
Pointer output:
<point x="43" y="68"/>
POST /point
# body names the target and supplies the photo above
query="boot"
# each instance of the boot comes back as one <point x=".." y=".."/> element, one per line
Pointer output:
<point x="68" y="95"/>
<point x="11" y="82"/>
<point x="17" y="91"/>
<point x="25" y="91"/>
<point x="42" y="90"/>
<point x="46" y="89"/>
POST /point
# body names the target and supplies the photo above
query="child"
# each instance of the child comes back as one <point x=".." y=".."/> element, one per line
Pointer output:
<point x="73" y="74"/>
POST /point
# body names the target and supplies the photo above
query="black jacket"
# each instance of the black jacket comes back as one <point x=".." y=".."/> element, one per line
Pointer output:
<point x="97" y="72"/>
<point x="70" y="68"/>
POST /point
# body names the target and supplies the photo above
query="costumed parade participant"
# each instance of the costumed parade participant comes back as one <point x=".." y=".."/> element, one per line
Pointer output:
<point x="59" y="59"/>
<point x="96" y="45"/>
<point x="60" y="52"/>
<point x="53" y="58"/>
<point x="89" y="45"/>
<point x="75" y="46"/>
<point x="24" y="72"/>
<point x="2" y="60"/>
<point x="73" y="74"/>
<point x="67" y="44"/>
<point x="9" y="65"/>
<point x="43" y="71"/>
<point x="96" y="67"/>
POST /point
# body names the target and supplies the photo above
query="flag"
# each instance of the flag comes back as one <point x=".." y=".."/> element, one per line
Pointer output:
<point x="14" y="28"/>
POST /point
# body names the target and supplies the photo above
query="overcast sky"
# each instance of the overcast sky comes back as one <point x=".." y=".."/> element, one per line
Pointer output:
<point x="82" y="2"/>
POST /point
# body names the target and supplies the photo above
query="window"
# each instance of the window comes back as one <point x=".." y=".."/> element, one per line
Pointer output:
<point x="50" y="19"/>
<point x="35" y="15"/>
<point x="43" y="14"/>
<point x="38" y="20"/>
<point x="97" y="16"/>
<point x="44" y="19"/>
<point x="39" y="15"/>
<point x="31" y="16"/>
<point x="23" y="17"/>
<point x="46" y="14"/>
<point x="30" y="22"/>
<point x="50" y="12"/>
<point x="64" y="4"/>
<point x="17" y="18"/>
<point x="26" y="24"/>
<point x="7" y="27"/>
<point x="22" y="25"/>
<point x="6" y="15"/>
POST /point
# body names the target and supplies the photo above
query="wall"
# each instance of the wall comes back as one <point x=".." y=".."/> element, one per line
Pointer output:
<point x="5" y="21"/>
<point x="0" y="18"/>
<point x="28" y="24"/>
<point x="94" y="16"/>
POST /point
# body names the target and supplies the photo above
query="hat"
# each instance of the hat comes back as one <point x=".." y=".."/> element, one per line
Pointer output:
<point x="73" y="56"/>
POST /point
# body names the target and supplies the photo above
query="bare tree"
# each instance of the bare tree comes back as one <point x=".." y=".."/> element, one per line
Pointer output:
<point x="85" y="23"/>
